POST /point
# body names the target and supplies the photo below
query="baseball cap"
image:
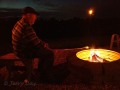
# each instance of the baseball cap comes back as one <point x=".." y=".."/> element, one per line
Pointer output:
<point x="29" y="10"/>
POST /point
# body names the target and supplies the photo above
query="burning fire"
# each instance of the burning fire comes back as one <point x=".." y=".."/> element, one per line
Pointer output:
<point x="98" y="55"/>
<point x="94" y="56"/>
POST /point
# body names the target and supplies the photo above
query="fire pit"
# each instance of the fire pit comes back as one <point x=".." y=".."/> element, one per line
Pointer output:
<point x="98" y="55"/>
<point x="95" y="65"/>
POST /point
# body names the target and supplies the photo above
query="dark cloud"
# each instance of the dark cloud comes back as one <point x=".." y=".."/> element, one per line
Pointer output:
<point x="102" y="8"/>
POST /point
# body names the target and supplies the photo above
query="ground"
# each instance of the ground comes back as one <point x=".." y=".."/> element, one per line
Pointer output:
<point x="65" y="76"/>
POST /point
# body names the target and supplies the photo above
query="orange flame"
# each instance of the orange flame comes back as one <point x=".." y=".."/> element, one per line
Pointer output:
<point x="94" y="56"/>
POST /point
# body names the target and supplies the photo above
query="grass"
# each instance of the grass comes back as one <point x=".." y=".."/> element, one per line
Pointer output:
<point x="64" y="80"/>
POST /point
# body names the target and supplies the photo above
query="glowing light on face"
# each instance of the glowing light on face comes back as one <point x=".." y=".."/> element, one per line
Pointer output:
<point x="31" y="18"/>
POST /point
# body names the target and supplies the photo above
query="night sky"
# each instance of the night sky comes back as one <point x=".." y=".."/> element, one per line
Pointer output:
<point x="70" y="8"/>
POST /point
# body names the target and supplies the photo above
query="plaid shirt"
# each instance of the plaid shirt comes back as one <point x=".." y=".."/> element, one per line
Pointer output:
<point x="24" y="39"/>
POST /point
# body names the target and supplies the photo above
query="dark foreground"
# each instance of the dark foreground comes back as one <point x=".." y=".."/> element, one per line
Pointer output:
<point x="67" y="76"/>
<point x="64" y="80"/>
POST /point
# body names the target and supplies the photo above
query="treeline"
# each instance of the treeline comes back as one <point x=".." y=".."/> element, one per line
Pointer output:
<point x="54" y="28"/>
<point x="76" y="27"/>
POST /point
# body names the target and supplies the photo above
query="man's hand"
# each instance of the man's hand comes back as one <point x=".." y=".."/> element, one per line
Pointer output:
<point x="47" y="46"/>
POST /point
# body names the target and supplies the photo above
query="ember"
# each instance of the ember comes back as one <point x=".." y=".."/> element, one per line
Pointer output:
<point x="98" y="55"/>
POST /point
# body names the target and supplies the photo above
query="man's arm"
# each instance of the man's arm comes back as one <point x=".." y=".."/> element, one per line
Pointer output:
<point x="32" y="38"/>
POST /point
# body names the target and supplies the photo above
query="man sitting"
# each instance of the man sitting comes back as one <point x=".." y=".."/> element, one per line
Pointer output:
<point x="27" y="45"/>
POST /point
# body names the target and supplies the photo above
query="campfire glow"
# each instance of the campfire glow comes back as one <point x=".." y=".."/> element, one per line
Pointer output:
<point x="98" y="55"/>
<point x="94" y="56"/>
